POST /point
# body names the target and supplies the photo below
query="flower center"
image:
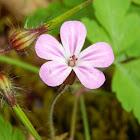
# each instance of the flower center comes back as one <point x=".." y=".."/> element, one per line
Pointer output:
<point x="72" y="61"/>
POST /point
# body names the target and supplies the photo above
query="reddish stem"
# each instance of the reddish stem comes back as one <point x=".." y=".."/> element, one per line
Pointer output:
<point x="6" y="49"/>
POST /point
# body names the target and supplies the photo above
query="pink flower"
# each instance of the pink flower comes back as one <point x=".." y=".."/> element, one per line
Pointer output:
<point x="68" y="57"/>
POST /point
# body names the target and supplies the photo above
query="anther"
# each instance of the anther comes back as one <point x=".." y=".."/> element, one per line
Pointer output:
<point x="72" y="61"/>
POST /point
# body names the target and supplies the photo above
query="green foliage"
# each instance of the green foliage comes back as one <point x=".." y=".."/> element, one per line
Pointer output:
<point x="54" y="10"/>
<point x="118" y="23"/>
<point x="134" y="50"/>
<point x="17" y="135"/>
<point x="114" y="25"/>
<point x="126" y="83"/>
<point x="7" y="133"/>
<point x="129" y="32"/>
<point x="135" y="8"/>
<point x="97" y="34"/>
<point x="72" y="3"/>
<point x="136" y="1"/>
<point x="110" y="14"/>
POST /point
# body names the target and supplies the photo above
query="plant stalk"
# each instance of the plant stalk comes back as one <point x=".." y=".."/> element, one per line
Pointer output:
<point x="73" y="120"/>
<point x="21" y="115"/>
<point x="52" y="23"/>
<point x="8" y="48"/>
<point x="68" y="14"/>
<point x="19" y="63"/>
<point x="84" y="117"/>
<point x="52" y="130"/>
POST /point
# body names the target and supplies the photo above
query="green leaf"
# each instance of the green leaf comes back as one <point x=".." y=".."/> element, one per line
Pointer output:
<point x="115" y="25"/>
<point x="55" y="9"/>
<point x="134" y="50"/>
<point x="126" y="84"/>
<point x="17" y="135"/>
<point x="136" y="1"/>
<point x="129" y="32"/>
<point x="135" y="8"/>
<point x="110" y="13"/>
<point x="7" y="133"/>
<point x="72" y="3"/>
<point x="123" y="30"/>
<point x="97" y="34"/>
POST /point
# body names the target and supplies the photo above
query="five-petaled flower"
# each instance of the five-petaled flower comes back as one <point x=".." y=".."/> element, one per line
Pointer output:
<point x="68" y="58"/>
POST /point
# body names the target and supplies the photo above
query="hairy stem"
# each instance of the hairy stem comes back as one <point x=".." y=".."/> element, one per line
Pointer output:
<point x="52" y="131"/>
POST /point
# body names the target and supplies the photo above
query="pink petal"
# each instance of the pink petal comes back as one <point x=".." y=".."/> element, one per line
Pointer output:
<point x="90" y="77"/>
<point x="73" y="34"/>
<point x="54" y="73"/>
<point x="99" y="55"/>
<point x="47" y="47"/>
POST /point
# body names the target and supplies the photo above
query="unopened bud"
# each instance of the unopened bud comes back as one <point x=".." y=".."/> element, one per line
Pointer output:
<point x="22" y="39"/>
<point x="6" y="90"/>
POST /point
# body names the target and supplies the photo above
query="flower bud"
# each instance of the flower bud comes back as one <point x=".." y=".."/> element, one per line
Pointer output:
<point x="22" y="39"/>
<point x="6" y="90"/>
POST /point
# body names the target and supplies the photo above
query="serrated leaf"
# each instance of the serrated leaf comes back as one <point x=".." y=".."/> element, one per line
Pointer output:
<point x="126" y="84"/>
<point x="7" y="133"/>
